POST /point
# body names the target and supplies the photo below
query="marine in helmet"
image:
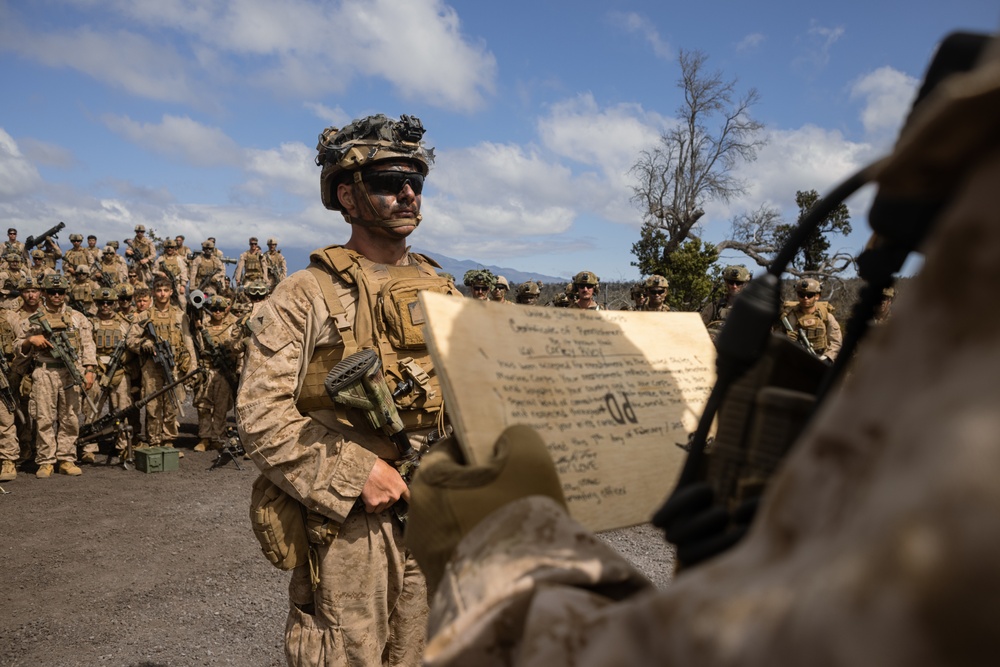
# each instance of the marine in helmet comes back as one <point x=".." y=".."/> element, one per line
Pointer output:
<point x="207" y="272"/>
<point x="656" y="287"/>
<point x="75" y="256"/>
<point x="370" y="602"/>
<point x="813" y="319"/>
<point x="252" y="264"/>
<point x="884" y="308"/>
<point x="499" y="292"/>
<point x="55" y="392"/>
<point x="277" y="268"/>
<point x="174" y="267"/>
<point x="528" y="293"/>
<point x="480" y="282"/>
<point x="141" y="253"/>
<point x="222" y="343"/>
<point x="586" y="285"/>
<point x="735" y="278"/>
<point x="638" y="295"/>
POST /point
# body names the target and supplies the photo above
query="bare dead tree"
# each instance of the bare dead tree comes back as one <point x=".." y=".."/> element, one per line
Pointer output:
<point x="693" y="162"/>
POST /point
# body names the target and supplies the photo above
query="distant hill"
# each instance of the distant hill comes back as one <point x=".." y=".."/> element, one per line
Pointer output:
<point x="458" y="267"/>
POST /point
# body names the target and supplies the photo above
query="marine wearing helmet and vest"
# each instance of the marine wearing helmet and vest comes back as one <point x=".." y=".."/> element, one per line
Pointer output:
<point x="480" y="282"/>
<point x="327" y="457"/>
<point x="586" y="285"/>
<point x="499" y="291"/>
<point x="76" y="256"/>
<point x="813" y="318"/>
<point x="528" y="293"/>
<point x="656" y="287"/>
<point x="252" y="264"/>
<point x="735" y="278"/>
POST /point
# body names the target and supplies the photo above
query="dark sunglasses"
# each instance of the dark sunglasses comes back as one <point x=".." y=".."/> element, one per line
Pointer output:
<point x="393" y="182"/>
<point x="657" y="291"/>
<point x="60" y="292"/>
<point x="582" y="285"/>
<point x="105" y="303"/>
<point x="734" y="282"/>
<point x="216" y="310"/>
<point x="808" y="295"/>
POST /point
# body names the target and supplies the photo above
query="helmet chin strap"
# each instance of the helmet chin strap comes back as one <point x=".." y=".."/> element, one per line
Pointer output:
<point x="375" y="220"/>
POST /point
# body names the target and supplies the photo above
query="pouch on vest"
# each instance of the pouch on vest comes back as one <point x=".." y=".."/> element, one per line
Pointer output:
<point x="402" y="315"/>
<point x="278" y="523"/>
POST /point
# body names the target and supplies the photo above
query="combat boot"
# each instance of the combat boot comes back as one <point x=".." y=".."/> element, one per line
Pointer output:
<point x="8" y="472"/>
<point x="69" y="468"/>
<point x="203" y="445"/>
<point x="44" y="471"/>
<point x="88" y="457"/>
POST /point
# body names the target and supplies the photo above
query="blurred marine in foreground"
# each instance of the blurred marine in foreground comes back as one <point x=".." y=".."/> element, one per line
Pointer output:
<point x="875" y="542"/>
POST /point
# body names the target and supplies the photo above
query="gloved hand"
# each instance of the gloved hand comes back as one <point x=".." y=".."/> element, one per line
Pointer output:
<point x="449" y="498"/>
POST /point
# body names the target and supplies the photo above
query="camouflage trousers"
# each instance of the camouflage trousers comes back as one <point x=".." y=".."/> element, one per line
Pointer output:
<point x="370" y="607"/>
<point x="214" y="400"/>
<point x="161" y="412"/>
<point x="55" y="406"/>
<point x="118" y="398"/>
<point x="9" y="449"/>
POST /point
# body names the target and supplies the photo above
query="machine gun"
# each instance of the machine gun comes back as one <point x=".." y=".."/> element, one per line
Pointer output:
<point x="233" y="449"/>
<point x="358" y="382"/>
<point x="62" y="350"/>
<point x="220" y="360"/>
<point x="33" y="241"/>
<point x="163" y="355"/>
<point x="117" y="420"/>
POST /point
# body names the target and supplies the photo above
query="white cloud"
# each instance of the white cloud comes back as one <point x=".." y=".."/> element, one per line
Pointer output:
<point x="122" y="59"/>
<point x="750" y="42"/>
<point x="335" y="116"/>
<point x="818" y="42"/>
<point x="181" y="138"/>
<point x="887" y="94"/>
<point x="18" y="176"/>
<point x="290" y="168"/>
<point x="310" y="47"/>
<point x="641" y="25"/>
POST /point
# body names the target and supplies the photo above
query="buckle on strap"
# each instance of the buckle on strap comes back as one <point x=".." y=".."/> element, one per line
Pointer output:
<point x="419" y="375"/>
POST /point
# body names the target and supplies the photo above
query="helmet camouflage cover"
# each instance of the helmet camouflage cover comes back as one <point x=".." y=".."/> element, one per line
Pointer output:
<point x="257" y="288"/>
<point x="105" y="294"/>
<point x="479" y="277"/>
<point x="55" y="281"/>
<point x="586" y="278"/>
<point x="365" y="141"/>
<point x="656" y="281"/>
<point x="736" y="273"/>
<point x="529" y="288"/>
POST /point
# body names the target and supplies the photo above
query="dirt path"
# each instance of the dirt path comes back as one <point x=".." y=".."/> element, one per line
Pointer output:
<point x="123" y="568"/>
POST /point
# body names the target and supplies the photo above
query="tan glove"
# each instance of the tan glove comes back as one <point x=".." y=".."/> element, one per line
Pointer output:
<point x="448" y="498"/>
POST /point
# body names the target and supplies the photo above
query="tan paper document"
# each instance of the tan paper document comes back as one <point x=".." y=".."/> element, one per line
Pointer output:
<point x="612" y="393"/>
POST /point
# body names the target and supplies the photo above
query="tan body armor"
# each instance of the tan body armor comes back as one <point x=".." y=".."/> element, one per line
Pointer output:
<point x="82" y="292"/>
<point x="168" y="327"/>
<point x="207" y="266"/>
<point x="389" y="320"/>
<point x="7" y="337"/>
<point x="253" y="267"/>
<point x="107" y="334"/>
<point x="75" y="258"/>
<point x="814" y="324"/>
<point x="63" y="323"/>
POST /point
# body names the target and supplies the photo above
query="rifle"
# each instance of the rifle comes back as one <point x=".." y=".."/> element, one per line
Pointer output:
<point x="221" y="360"/>
<point x="32" y="241"/>
<point x="6" y="393"/>
<point x="163" y="354"/>
<point x="109" y="373"/>
<point x="106" y="280"/>
<point x="117" y="420"/>
<point x="62" y="350"/>
<point x="357" y="381"/>
<point x="137" y="254"/>
<point x="800" y="336"/>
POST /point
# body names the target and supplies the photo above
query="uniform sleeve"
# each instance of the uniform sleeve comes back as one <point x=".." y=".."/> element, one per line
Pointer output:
<point x="238" y="273"/>
<point x="88" y="353"/>
<point x="834" y="337"/>
<point x="316" y="465"/>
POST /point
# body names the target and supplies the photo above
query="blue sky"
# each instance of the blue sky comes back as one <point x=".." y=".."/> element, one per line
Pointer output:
<point x="200" y="117"/>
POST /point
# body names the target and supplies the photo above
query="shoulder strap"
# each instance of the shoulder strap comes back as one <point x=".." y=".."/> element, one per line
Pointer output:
<point x="337" y="311"/>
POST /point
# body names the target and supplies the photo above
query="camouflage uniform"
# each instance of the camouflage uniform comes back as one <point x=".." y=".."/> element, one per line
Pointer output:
<point x="586" y="279"/>
<point x="207" y="271"/>
<point x="108" y="333"/>
<point x="75" y="256"/>
<point x="171" y="323"/>
<point x="51" y="252"/>
<point x="55" y="401"/>
<point x="10" y="278"/>
<point x="112" y="267"/>
<point x="252" y="265"/>
<point x="277" y="268"/>
<point x="714" y="314"/>
<point x="9" y="449"/>
<point x="819" y="326"/>
<point x="81" y="292"/>
<point x="93" y="249"/>
<point x="370" y="605"/>
<point x="177" y="268"/>
<point x="652" y="285"/>
<point x="216" y="394"/>
<point x="142" y="251"/>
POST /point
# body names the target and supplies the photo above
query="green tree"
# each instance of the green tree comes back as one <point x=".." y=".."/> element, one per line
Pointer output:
<point x="691" y="271"/>
<point x="814" y="255"/>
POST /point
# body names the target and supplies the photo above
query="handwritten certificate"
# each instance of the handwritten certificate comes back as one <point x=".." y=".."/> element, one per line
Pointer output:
<point x="612" y="393"/>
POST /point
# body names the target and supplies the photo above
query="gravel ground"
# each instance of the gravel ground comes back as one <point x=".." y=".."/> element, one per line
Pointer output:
<point x="119" y="567"/>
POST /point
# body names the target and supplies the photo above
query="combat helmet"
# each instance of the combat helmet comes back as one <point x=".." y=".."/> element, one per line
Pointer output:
<point x="37" y="253"/>
<point x="169" y="243"/>
<point x="125" y="291"/>
<point x="530" y="288"/>
<point x="586" y="278"/>
<point x="105" y="294"/>
<point x="257" y="288"/>
<point x="54" y="281"/>
<point x="808" y="285"/>
<point x="655" y="282"/>
<point x="365" y="141"/>
<point x="479" y="277"/>
<point x="27" y="282"/>
<point x="736" y="273"/>
<point x="12" y="257"/>
<point x="216" y="302"/>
